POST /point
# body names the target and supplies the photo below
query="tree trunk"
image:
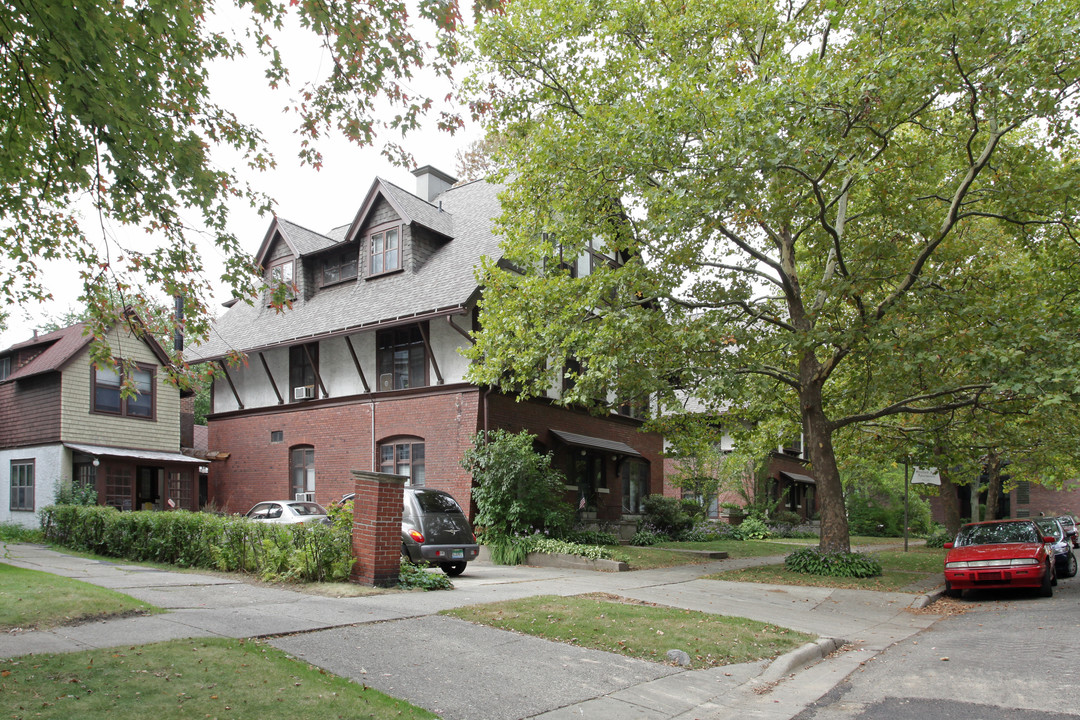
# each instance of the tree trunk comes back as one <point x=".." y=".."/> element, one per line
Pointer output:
<point x="950" y="504"/>
<point x="993" y="487"/>
<point x="830" y="491"/>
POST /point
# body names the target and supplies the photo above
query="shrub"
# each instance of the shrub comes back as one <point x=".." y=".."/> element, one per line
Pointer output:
<point x="707" y="532"/>
<point x="647" y="536"/>
<point x="938" y="537"/>
<point x="544" y="544"/>
<point x="591" y="537"/>
<point x="785" y="517"/>
<point x="74" y="494"/>
<point x="752" y="528"/>
<point x="666" y="515"/>
<point x="507" y="549"/>
<point x="12" y="532"/>
<point x="812" y="561"/>
<point x="790" y="531"/>
<point x="414" y="577"/>
<point x="191" y="539"/>
<point x="517" y="493"/>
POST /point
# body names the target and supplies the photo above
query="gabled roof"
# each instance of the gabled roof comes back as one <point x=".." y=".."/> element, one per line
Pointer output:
<point x="408" y="206"/>
<point x="58" y="348"/>
<point x="298" y="238"/>
<point x="304" y="241"/>
<point x="55" y="349"/>
<point x="444" y="283"/>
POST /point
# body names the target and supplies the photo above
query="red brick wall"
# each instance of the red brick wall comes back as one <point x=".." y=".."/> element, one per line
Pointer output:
<point x="376" y="536"/>
<point x="30" y="411"/>
<point x="341" y="434"/>
<point x="540" y="417"/>
<point x="1041" y="499"/>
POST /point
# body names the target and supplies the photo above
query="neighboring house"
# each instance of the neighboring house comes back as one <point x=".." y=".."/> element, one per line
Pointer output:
<point x="788" y="481"/>
<point x="62" y="420"/>
<point x="1025" y="499"/>
<point x="364" y="370"/>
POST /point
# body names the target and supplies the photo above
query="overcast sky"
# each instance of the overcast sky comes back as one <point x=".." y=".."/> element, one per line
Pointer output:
<point x="318" y="200"/>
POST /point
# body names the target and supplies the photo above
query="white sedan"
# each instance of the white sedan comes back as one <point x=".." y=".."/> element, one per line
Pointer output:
<point x="288" y="512"/>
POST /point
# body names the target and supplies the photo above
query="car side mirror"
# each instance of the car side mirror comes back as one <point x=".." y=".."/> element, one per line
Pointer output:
<point x="1049" y="539"/>
<point x="948" y="546"/>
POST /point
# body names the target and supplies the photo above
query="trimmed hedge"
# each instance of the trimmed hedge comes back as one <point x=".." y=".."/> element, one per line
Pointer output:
<point x="229" y="543"/>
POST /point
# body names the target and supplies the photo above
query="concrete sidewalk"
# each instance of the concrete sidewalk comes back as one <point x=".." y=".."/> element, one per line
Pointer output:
<point x="396" y="642"/>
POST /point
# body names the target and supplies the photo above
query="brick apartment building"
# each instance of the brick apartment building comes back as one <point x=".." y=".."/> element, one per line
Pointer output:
<point x="364" y="372"/>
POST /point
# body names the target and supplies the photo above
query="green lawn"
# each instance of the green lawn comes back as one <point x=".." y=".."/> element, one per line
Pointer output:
<point x="641" y="630"/>
<point x="29" y="598"/>
<point x="657" y="556"/>
<point x="900" y="570"/>
<point x="205" y="678"/>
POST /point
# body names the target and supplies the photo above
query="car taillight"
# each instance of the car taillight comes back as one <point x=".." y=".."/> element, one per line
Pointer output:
<point x="417" y="536"/>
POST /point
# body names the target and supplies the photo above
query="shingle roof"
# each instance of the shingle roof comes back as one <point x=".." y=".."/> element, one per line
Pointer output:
<point x="305" y="241"/>
<point x="57" y="348"/>
<point x="421" y="211"/>
<point x="446" y="280"/>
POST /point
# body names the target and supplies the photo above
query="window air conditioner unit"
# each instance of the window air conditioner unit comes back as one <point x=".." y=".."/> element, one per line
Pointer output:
<point x="305" y="497"/>
<point x="305" y="392"/>
<point x="386" y="381"/>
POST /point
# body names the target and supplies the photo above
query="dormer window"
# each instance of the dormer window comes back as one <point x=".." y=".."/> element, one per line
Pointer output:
<point x="339" y="267"/>
<point x="282" y="272"/>
<point x="385" y="244"/>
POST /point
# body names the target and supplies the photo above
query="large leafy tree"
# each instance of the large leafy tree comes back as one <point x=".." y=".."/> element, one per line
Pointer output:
<point x="108" y="106"/>
<point x="798" y="196"/>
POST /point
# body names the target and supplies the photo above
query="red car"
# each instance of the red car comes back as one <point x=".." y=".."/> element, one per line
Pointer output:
<point x="999" y="554"/>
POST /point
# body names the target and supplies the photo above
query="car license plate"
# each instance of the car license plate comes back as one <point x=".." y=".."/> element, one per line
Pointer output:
<point x="986" y="576"/>
<point x="457" y="554"/>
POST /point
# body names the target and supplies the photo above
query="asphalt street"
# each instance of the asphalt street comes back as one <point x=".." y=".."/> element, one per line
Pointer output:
<point x="1009" y="655"/>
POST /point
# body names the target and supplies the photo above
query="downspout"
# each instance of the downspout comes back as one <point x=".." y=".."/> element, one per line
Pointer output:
<point x="374" y="465"/>
<point x="486" y="394"/>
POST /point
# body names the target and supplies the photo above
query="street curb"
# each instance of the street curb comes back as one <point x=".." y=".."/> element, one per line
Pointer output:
<point x="923" y="600"/>
<point x="805" y="655"/>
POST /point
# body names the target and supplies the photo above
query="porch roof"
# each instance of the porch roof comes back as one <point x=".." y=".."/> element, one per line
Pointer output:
<point x="796" y="477"/>
<point x="595" y="443"/>
<point x="135" y="454"/>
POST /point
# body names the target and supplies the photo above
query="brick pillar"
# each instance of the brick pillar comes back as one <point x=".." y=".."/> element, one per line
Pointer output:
<point x="376" y="537"/>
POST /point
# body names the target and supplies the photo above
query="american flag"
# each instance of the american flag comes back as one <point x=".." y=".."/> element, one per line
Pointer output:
<point x="581" y="505"/>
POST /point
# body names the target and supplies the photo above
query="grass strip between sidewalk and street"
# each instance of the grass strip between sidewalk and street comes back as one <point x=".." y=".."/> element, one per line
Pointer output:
<point x="637" y="629"/>
<point x="34" y="599"/>
<point x="899" y="570"/>
<point x="202" y="678"/>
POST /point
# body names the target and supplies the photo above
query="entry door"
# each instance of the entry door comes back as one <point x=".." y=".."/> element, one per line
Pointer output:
<point x="148" y="488"/>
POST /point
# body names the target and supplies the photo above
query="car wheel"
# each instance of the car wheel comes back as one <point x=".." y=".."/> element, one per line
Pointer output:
<point x="405" y="554"/>
<point x="1047" y="587"/>
<point x="452" y="569"/>
<point x="1070" y="570"/>
<point x="952" y="592"/>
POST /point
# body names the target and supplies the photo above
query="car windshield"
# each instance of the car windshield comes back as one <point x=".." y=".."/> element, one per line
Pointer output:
<point x="307" y="508"/>
<point x="436" y="502"/>
<point x="1050" y="527"/>
<point x="1013" y="532"/>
